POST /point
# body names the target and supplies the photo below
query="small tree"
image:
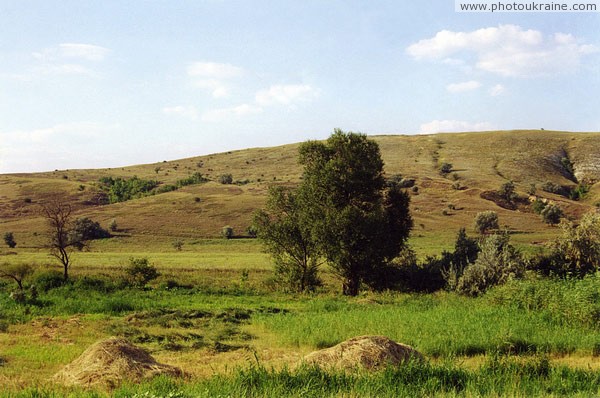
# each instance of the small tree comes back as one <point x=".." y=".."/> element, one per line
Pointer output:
<point x="86" y="229"/>
<point x="497" y="262"/>
<point x="61" y="236"/>
<point x="9" y="239"/>
<point x="226" y="179"/>
<point x="465" y="253"/>
<point x="140" y="272"/>
<point x="551" y="214"/>
<point x="486" y="221"/>
<point x="285" y="230"/>
<point x="579" y="245"/>
<point x="507" y="191"/>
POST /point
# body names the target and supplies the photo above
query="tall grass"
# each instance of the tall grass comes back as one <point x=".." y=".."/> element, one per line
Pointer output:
<point x="500" y="376"/>
<point x="440" y="325"/>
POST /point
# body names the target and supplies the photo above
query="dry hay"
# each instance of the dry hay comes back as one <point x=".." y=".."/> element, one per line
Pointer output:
<point x="369" y="352"/>
<point x="110" y="362"/>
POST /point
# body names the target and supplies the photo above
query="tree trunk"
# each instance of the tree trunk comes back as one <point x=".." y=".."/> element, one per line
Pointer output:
<point x="351" y="286"/>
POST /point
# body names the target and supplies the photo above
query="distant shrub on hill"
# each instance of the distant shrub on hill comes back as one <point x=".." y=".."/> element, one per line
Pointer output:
<point x="87" y="229"/>
<point x="121" y="189"/>
<point x="486" y="221"/>
<point x="226" y="179"/>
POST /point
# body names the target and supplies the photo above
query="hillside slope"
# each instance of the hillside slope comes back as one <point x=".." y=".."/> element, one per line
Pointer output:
<point x="481" y="162"/>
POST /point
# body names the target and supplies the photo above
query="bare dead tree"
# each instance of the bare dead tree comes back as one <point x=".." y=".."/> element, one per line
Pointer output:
<point x="62" y="239"/>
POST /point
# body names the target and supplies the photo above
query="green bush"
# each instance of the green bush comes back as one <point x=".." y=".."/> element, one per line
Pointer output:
<point x="227" y="232"/>
<point x="445" y="168"/>
<point x="497" y="262"/>
<point x="226" y="179"/>
<point x="9" y="239"/>
<point x="551" y="214"/>
<point x="537" y="206"/>
<point x="48" y="280"/>
<point x="507" y="191"/>
<point x="486" y="221"/>
<point x="96" y="283"/>
<point x="87" y="229"/>
<point x="140" y="272"/>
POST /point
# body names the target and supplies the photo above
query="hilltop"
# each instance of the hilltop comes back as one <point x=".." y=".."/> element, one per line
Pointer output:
<point x="440" y="204"/>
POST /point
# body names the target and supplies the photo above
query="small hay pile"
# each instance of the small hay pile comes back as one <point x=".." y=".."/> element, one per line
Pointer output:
<point x="369" y="352"/>
<point x="109" y="362"/>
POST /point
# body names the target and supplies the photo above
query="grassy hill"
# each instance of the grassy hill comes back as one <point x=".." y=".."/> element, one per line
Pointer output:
<point x="481" y="162"/>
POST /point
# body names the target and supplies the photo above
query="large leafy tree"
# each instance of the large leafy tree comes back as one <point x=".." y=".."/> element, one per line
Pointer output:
<point x="285" y="230"/>
<point x="358" y="222"/>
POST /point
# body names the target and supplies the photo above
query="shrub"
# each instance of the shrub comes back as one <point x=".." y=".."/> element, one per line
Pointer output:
<point x="49" y="280"/>
<point x="405" y="273"/>
<point x="537" y="206"/>
<point x="87" y="229"/>
<point x="226" y="179"/>
<point x="465" y="253"/>
<point x="497" y="262"/>
<point x="9" y="239"/>
<point x="140" y="272"/>
<point x="177" y="244"/>
<point x="551" y="187"/>
<point x="507" y="191"/>
<point x="95" y="283"/>
<point x="113" y="225"/>
<point x="486" y="221"/>
<point x="120" y="189"/>
<point x="579" y="246"/>
<point x="445" y="168"/>
<point x="227" y="232"/>
<point x="19" y="296"/>
<point x="551" y="214"/>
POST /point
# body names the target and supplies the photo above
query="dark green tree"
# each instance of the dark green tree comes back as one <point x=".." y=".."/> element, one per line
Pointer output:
<point x="507" y="191"/>
<point x="9" y="239"/>
<point x="285" y="230"/>
<point x="358" y="222"/>
<point x="486" y="221"/>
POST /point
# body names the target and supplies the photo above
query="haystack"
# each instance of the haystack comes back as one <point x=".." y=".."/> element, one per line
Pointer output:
<point x="109" y="362"/>
<point x="369" y="352"/>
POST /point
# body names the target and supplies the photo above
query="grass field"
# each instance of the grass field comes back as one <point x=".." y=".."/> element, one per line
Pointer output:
<point x="527" y="338"/>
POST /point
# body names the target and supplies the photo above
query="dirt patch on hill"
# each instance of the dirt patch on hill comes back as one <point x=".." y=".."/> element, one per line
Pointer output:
<point x="109" y="362"/>
<point x="369" y="352"/>
<point x="519" y="203"/>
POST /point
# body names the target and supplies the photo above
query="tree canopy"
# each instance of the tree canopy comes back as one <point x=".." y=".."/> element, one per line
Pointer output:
<point x="357" y="220"/>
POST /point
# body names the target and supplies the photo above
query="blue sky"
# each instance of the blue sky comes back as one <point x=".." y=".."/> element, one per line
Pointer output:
<point x="89" y="84"/>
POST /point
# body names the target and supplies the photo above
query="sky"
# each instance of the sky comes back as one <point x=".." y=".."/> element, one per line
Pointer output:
<point x="94" y="84"/>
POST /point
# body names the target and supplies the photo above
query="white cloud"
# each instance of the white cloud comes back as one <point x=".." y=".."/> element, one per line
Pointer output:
<point x="87" y="52"/>
<point x="185" y="111"/>
<point x="222" y="114"/>
<point x="463" y="86"/>
<point x="285" y="94"/>
<point x="448" y="126"/>
<point x="66" y="59"/>
<point x="507" y="50"/>
<point x="496" y="90"/>
<point x="213" y="76"/>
